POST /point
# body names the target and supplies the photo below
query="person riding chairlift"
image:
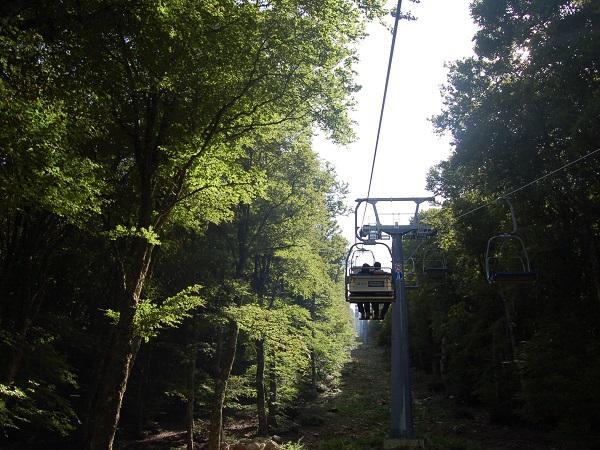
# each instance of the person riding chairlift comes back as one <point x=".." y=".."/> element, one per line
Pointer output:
<point x="364" y="308"/>
<point x="377" y="271"/>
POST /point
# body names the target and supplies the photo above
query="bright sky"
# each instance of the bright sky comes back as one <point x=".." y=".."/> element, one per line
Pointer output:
<point x="407" y="145"/>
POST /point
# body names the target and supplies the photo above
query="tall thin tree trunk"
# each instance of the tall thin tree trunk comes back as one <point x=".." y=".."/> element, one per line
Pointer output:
<point x="591" y="246"/>
<point x="189" y="412"/>
<point x="140" y="401"/>
<point x="510" y="324"/>
<point x="191" y="385"/>
<point x="313" y="354"/>
<point x="30" y="250"/>
<point x="221" y="379"/>
<point x="262" y="264"/>
<point x="34" y="303"/>
<point x="261" y="397"/>
<point x="121" y="354"/>
<point x="120" y="362"/>
<point x="273" y="409"/>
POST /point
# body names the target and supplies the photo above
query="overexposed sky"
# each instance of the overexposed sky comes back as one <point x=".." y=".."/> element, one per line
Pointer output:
<point x="407" y="145"/>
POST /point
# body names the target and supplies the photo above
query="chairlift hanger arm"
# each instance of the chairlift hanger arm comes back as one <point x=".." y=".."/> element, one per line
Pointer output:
<point x="359" y="247"/>
<point x="512" y="213"/>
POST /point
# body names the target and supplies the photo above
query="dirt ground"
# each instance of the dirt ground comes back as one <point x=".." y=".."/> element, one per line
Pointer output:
<point x="355" y="415"/>
<point x="357" y="408"/>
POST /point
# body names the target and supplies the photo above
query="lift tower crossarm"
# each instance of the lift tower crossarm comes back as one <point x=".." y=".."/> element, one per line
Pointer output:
<point x="396" y="199"/>
<point x="389" y="229"/>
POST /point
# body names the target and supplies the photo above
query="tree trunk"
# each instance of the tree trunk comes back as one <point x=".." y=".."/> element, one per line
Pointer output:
<point x="121" y="354"/>
<point x="34" y="303"/>
<point x="28" y="251"/>
<point x="189" y="413"/>
<point x="273" y="410"/>
<point x="510" y="314"/>
<point x="191" y="385"/>
<point x="140" y="401"/>
<point x="590" y="246"/>
<point x="510" y="324"/>
<point x="120" y="362"/>
<point x="313" y="354"/>
<point x="313" y="371"/>
<point x="221" y="379"/>
<point x="262" y="265"/>
<point x="261" y="397"/>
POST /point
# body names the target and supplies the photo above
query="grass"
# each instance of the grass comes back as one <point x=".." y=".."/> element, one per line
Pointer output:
<point x="450" y="443"/>
<point x="356" y="417"/>
<point x="293" y="446"/>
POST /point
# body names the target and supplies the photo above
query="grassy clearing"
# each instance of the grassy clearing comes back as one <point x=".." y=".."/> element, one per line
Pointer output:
<point x="356" y="416"/>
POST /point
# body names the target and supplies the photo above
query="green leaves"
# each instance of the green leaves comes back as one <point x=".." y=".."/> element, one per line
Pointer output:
<point x="284" y="330"/>
<point x="145" y="233"/>
<point x="514" y="112"/>
<point x="152" y="317"/>
<point x="130" y="130"/>
<point x="8" y="392"/>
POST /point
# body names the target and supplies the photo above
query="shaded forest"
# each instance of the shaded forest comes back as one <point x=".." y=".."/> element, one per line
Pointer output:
<point x="523" y="117"/>
<point x="169" y="250"/>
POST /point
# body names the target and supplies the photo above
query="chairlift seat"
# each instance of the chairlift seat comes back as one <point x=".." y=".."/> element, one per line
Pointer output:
<point x="370" y="287"/>
<point x="367" y="283"/>
<point x="435" y="271"/>
<point x="513" y="277"/>
<point x="506" y="259"/>
<point x="434" y="262"/>
<point x="411" y="280"/>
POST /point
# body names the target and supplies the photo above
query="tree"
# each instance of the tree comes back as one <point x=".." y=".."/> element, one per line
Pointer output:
<point x="49" y="187"/>
<point x="255" y="247"/>
<point x="171" y="124"/>
<point x="519" y="111"/>
<point x="151" y="107"/>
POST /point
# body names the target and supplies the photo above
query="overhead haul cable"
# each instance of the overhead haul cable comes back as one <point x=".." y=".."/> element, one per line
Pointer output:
<point x="587" y="155"/>
<point x="387" y="81"/>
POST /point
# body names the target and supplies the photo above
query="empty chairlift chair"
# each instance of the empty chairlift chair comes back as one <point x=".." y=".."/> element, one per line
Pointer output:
<point x="411" y="281"/>
<point x="506" y="258"/>
<point x="434" y="262"/>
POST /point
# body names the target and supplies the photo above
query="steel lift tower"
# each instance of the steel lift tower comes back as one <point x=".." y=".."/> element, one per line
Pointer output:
<point x="402" y="434"/>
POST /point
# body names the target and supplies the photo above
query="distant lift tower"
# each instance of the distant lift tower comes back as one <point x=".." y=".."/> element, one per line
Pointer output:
<point x="402" y="434"/>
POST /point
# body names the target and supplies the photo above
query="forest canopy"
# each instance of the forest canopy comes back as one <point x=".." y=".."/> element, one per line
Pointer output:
<point x="168" y="235"/>
<point x="163" y="199"/>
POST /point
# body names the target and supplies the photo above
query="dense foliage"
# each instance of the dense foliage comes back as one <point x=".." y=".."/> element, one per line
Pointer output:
<point x="162" y="205"/>
<point x="168" y="244"/>
<point x="523" y="115"/>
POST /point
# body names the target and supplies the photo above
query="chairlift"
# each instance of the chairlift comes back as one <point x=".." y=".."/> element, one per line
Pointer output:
<point x="363" y="283"/>
<point x="411" y="282"/>
<point x="434" y="262"/>
<point x="506" y="259"/>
